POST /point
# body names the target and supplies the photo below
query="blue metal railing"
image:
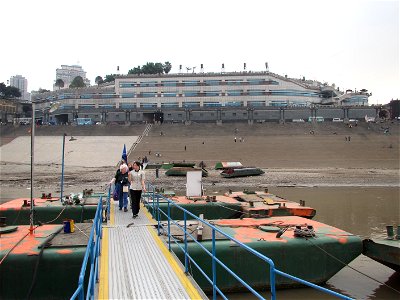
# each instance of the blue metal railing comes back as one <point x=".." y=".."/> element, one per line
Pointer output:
<point x="156" y="212"/>
<point x="91" y="255"/>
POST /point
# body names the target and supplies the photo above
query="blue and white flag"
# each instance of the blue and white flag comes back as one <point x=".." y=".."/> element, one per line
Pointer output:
<point x="124" y="157"/>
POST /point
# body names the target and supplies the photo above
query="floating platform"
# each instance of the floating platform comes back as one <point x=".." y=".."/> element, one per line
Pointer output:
<point x="234" y="205"/>
<point x="387" y="252"/>
<point x="50" y="211"/>
<point x="42" y="265"/>
<point x="307" y="249"/>
<point x="264" y="204"/>
<point x="214" y="207"/>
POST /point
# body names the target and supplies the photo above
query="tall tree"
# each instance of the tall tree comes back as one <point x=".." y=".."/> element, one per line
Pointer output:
<point x="77" y="82"/>
<point x="159" y="68"/>
<point x="2" y="90"/>
<point x="152" y="68"/>
<point x="99" y="80"/>
<point x="167" y="67"/>
<point x="9" y="92"/>
<point x="59" y="83"/>
<point x="110" y="78"/>
<point x="137" y="71"/>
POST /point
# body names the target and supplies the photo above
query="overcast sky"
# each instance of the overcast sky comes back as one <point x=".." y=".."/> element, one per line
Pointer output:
<point x="354" y="44"/>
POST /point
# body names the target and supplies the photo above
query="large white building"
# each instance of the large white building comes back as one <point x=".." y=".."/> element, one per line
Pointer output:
<point x="204" y="97"/>
<point x="68" y="73"/>
<point x="21" y="83"/>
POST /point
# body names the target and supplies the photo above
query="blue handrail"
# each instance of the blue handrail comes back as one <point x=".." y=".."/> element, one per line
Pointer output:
<point x="273" y="271"/>
<point x="92" y="253"/>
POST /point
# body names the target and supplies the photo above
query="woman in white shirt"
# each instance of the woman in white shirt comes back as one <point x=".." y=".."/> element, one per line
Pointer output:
<point x="136" y="177"/>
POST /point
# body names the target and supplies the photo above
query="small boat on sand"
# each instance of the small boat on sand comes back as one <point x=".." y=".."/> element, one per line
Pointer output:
<point x="228" y="164"/>
<point x="241" y="172"/>
<point x="178" y="164"/>
<point x="181" y="171"/>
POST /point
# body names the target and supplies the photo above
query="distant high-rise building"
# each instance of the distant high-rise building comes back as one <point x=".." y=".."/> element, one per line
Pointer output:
<point x="22" y="84"/>
<point x="67" y="75"/>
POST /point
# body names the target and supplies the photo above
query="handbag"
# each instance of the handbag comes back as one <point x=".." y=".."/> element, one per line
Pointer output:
<point x="116" y="192"/>
<point x="125" y="189"/>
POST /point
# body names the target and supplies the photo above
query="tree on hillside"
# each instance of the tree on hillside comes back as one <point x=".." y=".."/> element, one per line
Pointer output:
<point x="99" y="80"/>
<point x="136" y="71"/>
<point x="152" y="68"/>
<point x="167" y="67"/>
<point x="77" y="82"/>
<point x="41" y="91"/>
<point x="59" y="83"/>
<point x="110" y="78"/>
<point x="9" y="92"/>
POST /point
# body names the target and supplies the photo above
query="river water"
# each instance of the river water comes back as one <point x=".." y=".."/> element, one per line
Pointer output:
<point x="364" y="211"/>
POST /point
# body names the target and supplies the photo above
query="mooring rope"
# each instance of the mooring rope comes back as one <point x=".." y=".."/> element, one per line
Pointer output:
<point x="347" y="265"/>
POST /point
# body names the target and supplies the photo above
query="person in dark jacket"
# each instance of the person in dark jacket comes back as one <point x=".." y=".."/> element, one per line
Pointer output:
<point x="122" y="186"/>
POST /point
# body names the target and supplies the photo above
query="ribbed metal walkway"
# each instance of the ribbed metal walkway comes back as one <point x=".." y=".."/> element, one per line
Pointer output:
<point x="139" y="265"/>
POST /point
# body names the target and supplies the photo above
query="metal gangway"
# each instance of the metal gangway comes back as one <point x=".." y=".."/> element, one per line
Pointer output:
<point x="136" y="264"/>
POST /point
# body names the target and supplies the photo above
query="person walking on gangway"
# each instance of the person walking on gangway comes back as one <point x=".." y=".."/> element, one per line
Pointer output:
<point x="136" y="178"/>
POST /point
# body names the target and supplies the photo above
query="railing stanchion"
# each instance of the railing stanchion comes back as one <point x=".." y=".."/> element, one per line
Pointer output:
<point x="158" y="215"/>
<point x="108" y="203"/>
<point x="185" y="239"/>
<point x="214" y="267"/>
<point x="169" y="227"/>
<point x="272" y="281"/>
<point x="154" y="204"/>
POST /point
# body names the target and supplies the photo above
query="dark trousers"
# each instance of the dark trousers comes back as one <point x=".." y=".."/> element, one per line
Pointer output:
<point x="135" y="196"/>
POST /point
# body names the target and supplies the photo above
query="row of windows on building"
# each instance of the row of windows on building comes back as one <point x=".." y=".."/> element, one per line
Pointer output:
<point x="168" y="115"/>
<point x="258" y="92"/>
<point x="188" y="104"/>
<point x="215" y="82"/>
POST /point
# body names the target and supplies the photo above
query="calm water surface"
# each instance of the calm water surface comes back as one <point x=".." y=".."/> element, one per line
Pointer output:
<point x="364" y="211"/>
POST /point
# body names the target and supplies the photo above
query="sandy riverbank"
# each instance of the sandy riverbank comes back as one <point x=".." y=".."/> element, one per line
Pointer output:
<point x="289" y="154"/>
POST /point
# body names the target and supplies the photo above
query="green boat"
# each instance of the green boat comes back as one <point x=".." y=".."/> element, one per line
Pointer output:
<point x="308" y="249"/>
<point x="181" y="171"/>
<point x="42" y="265"/>
<point x="153" y="166"/>
<point x="167" y="166"/>
<point x="225" y="164"/>
<point x="241" y="172"/>
<point x="48" y="210"/>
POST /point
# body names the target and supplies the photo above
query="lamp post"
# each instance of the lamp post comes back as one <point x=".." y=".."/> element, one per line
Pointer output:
<point x="32" y="164"/>
<point x="62" y="166"/>
<point x="62" y="163"/>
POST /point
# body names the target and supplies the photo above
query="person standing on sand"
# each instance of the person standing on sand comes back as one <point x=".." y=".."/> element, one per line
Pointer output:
<point x="137" y="179"/>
